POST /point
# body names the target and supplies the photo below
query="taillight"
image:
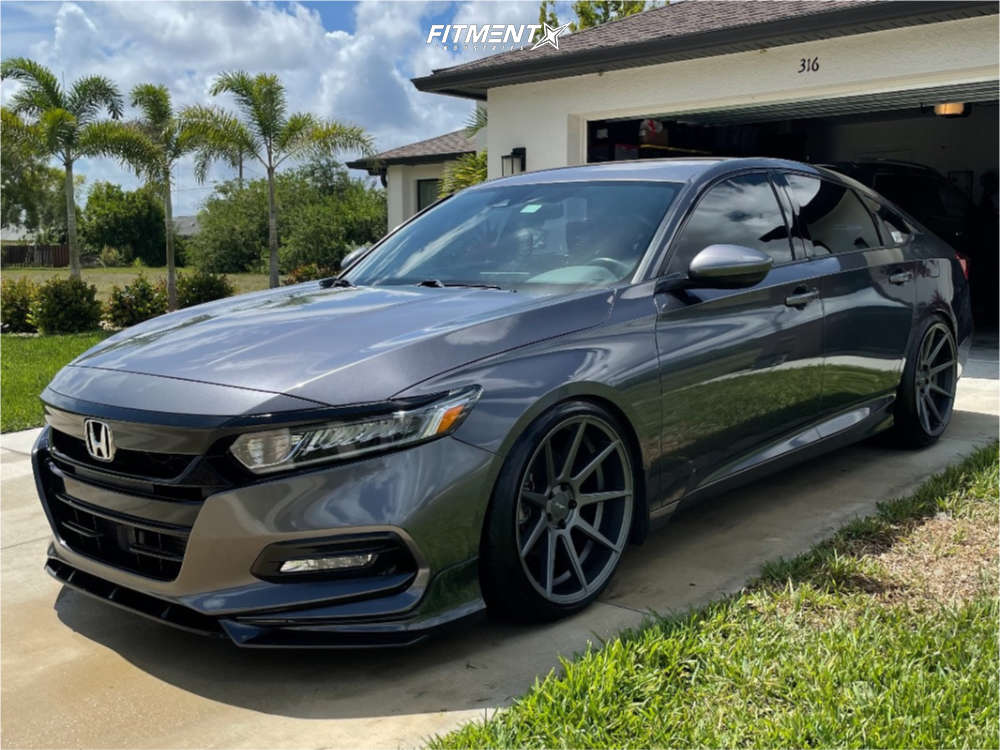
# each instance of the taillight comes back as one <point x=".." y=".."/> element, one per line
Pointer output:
<point x="964" y="263"/>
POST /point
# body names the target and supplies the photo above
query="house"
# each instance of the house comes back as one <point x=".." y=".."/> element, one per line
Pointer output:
<point x="823" y="81"/>
<point x="819" y="81"/>
<point x="412" y="174"/>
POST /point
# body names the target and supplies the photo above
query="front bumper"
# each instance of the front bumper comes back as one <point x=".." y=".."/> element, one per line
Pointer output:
<point x="430" y="498"/>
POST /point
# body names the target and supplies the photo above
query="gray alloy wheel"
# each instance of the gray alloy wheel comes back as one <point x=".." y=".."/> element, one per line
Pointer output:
<point x="935" y="379"/>
<point x="574" y="509"/>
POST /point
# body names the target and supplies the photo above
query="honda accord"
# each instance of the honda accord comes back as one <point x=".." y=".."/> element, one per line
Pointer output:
<point x="488" y="406"/>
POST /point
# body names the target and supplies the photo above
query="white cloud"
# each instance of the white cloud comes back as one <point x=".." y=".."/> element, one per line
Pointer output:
<point x="360" y="76"/>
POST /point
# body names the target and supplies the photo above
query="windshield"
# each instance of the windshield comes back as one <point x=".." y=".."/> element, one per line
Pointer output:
<point x="570" y="234"/>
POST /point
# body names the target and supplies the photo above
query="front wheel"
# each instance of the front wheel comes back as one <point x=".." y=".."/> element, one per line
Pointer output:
<point x="560" y="516"/>
<point x="926" y="393"/>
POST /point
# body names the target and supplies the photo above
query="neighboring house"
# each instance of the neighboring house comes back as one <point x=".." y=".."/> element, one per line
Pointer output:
<point x="185" y="226"/>
<point x="412" y="173"/>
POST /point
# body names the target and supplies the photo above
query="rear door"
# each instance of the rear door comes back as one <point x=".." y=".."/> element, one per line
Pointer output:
<point x="740" y="368"/>
<point x="868" y="288"/>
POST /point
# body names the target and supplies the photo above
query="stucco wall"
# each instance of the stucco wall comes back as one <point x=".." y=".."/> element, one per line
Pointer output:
<point x="401" y="192"/>
<point x="549" y="118"/>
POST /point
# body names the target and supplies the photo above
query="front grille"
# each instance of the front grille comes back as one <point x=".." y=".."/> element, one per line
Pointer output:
<point x="173" y="477"/>
<point x="135" y="545"/>
<point x="144" y="464"/>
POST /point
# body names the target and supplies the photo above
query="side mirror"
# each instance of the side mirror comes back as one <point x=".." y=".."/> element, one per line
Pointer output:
<point x="728" y="267"/>
<point x="352" y="256"/>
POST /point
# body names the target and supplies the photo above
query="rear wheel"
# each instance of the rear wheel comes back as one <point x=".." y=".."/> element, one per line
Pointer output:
<point x="926" y="393"/>
<point x="561" y="514"/>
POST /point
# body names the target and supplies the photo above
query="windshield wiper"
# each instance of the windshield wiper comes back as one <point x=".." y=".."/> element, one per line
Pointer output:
<point x="334" y="281"/>
<point x="438" y="284"/>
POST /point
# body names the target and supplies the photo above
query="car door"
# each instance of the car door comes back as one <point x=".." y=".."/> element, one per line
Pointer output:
<point x="739" y="368"/>
<point x="868" y="288"/>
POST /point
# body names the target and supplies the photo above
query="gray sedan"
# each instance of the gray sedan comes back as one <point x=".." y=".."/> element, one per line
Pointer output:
<point x="490" y="405"/>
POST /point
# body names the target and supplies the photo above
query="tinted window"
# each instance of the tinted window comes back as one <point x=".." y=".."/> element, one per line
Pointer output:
<point x="575" y="234"/>
<point x="739" y="211"/>
<point x="831" y="218"/>
<point x="899" y="231"/>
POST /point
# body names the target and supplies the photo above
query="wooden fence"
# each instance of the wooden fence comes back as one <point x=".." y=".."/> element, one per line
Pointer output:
<point x="52" y="256"/>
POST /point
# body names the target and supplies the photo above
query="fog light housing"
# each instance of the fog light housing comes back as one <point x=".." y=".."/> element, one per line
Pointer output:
<point x="336" y="562"/>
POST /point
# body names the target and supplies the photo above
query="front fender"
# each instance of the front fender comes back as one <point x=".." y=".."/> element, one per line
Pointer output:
<point x="614" y="363"/>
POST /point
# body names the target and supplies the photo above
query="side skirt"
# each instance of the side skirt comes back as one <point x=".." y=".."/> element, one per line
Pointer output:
<point x="831" y="433"/>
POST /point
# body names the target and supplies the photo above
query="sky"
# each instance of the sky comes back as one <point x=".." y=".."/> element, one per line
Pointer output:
<point x="349" y="61"/>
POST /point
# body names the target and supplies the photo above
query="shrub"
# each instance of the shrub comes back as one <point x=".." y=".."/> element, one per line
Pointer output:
<point x="308" y="272"/>
<point x="65" y="306"/>
<point x="201" y="286"/>
<point x="112" y="257"/>
<point x="136" y="302"/>
<point x="16" y="298"/>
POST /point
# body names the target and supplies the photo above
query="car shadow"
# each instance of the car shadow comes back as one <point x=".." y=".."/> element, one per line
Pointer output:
<point x="705" y="552"/>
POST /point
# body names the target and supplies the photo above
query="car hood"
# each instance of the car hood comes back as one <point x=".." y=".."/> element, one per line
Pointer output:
<point x="340" y="345"/>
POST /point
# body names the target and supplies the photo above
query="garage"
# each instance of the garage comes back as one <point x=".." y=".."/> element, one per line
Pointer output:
<point x="901" y="95"/>
<point x="933" y="151"/>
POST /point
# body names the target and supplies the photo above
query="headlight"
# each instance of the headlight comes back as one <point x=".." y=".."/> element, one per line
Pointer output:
<point x="287" y="447"/>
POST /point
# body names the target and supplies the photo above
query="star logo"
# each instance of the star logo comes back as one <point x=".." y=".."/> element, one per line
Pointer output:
<point x="551" y="35"/>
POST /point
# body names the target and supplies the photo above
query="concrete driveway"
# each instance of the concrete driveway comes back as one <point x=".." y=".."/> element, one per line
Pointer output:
<point x="77" y="673"/>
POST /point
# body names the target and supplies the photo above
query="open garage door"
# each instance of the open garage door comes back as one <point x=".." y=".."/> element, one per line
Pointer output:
<point x="940" y="164"/>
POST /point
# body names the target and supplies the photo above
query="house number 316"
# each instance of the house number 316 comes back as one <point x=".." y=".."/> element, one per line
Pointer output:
<point x="808" y="65"/>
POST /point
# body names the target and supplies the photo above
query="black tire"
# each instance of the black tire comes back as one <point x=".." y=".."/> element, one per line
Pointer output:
<point x="548" y="552"/>
<point x="926" y="394"/>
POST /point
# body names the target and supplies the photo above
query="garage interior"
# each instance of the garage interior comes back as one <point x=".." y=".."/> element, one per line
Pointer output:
<point x="960" y="142"/>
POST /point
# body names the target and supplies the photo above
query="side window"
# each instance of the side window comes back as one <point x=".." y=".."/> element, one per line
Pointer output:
<point x="742" y="210"/>
<point x="832" y="218"/>
<point x="899" y="231"/>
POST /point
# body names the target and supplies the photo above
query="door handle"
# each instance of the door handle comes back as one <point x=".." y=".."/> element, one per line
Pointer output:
<point x="801" y="297"/>
<point x="900" y="277"/>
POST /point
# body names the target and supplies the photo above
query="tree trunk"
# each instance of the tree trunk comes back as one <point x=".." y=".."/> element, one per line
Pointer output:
<point x="239" y="164"/>
<point x="272" y="228"/>
<point x="168" y="218"/>
<point x="74" y="249"/>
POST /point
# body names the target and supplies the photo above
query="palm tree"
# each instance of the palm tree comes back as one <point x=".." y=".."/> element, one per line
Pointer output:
<point x="66" y="121"/>
<point x="151" y="146"/>
<point x="265" y="131"/>
<point x="468" y="169"/>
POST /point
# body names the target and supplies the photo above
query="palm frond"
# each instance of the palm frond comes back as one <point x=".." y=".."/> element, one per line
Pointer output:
<point x="57" y="128"/>
<point x="45" y="88"/>
<point x="15" y="132"/>
<point x="478" y="120"/>
<point x="261" y="99"/>
<point x="153" y="101"/>
<point x="326" y="139"/>
<point x="126" y="142"/>
<point x="90" y="94"/>
<point x="217" y="135"/>
<point x="468" y="169"/>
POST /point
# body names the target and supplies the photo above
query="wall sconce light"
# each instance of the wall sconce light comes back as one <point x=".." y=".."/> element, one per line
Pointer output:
<point x="514" y="162"/>
<point x="951" y="109"/>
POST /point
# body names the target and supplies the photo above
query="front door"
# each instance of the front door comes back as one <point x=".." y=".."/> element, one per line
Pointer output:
<point x="740" y="369"/>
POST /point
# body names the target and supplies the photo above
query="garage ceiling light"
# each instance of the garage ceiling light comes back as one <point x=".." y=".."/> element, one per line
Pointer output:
<point x="950" y="109"/>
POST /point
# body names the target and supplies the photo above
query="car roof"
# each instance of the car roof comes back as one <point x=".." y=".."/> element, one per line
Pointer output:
<point x="666" y="170"/>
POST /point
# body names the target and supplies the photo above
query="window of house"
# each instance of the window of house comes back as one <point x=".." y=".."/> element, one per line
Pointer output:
<point x="427" y="193"/>
<point x="832" y="218"/>
<point x="741" y="210"/>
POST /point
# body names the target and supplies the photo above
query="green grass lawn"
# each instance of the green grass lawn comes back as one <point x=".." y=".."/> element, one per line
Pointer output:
<point x="105" y="278"/>
<point x="884" y="636"/>
<point x="27" y="364"/>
